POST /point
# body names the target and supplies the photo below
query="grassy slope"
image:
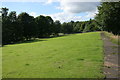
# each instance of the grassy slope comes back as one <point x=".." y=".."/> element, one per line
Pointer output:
<point x="73" y="56"/>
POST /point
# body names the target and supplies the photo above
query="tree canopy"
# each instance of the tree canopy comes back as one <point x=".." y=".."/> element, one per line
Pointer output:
<point x="109" y="16"/>
<point x="25" y="27"/>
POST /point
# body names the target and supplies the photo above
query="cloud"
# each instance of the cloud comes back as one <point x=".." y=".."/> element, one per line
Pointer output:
<point x="77" y="7"/>
<point x="64" y="17"/>
<point x="60" y="0"/>
<point x="23" y="0"/>
<point x="70" y="9"/>
<point x="33" y="14"/>
<point x="50" y="1"/>
<point x="91" y="14"/>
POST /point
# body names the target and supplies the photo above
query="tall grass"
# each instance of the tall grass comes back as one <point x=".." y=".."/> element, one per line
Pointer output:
<point x="114" y="38"/>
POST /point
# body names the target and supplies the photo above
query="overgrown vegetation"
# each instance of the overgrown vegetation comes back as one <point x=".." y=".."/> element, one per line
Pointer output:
<point x="72" y="56"/>
<point x="113" y="38"/>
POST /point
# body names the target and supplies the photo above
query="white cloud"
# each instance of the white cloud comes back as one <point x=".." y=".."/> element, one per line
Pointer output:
<point x="23" y="0"/>
<point x="64" y="17"/>
<point x="59" y="0"/>
<point x="49" y="1"/>
<point x="77" y="7"/>
<point x="70" y="9"/>
<point x="33" y="14"/>
<point x="91" y="14"/>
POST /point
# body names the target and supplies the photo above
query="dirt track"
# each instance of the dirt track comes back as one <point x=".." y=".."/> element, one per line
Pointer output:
<point x="111" y="58"/>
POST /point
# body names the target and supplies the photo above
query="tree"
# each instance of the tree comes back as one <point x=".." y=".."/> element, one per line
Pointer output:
<point x="28" y="25"/>
<point x="64" y="28"/>
<point x="57" y="27"/>
<point x="6" y="31"/>
<point x="108" y="16"/>
<point x="82" y="26"/>
<point x="5" y="28"/>
<point x="91" y="25"/>
<point x="44" y="25"/>
<point x="41" y="26"/>
<point x="49" y="25"/>
<point x="76" y="27"/>
<point x="12" y="16"/>
<point x="16" y="28"/>
<point x="4" y="12"/>
<point x="11" y="29"/>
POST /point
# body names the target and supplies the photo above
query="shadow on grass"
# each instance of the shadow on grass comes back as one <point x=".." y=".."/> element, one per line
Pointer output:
<point x="55" y="36"/>
<point x="37" y="39"/>
<point x="31" y="41"/>
<point x="34" y="40"/>
<point x="22" y="42"/>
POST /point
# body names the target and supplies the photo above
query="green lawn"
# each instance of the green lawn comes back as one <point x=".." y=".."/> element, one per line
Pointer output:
<point x="72" y="56"/>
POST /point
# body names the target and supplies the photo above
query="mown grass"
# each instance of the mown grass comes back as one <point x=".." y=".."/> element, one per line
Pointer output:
<point x="72" y="56"/>
<point x="114" y="38"/>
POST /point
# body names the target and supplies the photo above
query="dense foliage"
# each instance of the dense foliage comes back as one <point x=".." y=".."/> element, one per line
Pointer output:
<point x="109" y="17"/>
<point x="25" y="27"/>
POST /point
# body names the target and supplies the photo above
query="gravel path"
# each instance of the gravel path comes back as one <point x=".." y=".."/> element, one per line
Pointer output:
<point x="111" y="58"/>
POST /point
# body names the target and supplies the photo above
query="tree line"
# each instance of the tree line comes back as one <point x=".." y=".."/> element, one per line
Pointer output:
<point x="25" y="27"/>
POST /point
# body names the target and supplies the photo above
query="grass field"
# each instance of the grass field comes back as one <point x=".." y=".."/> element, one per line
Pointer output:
<point x="72" y="56"/>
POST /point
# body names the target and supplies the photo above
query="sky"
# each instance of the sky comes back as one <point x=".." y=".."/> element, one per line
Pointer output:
<point x="62" y="10"/>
